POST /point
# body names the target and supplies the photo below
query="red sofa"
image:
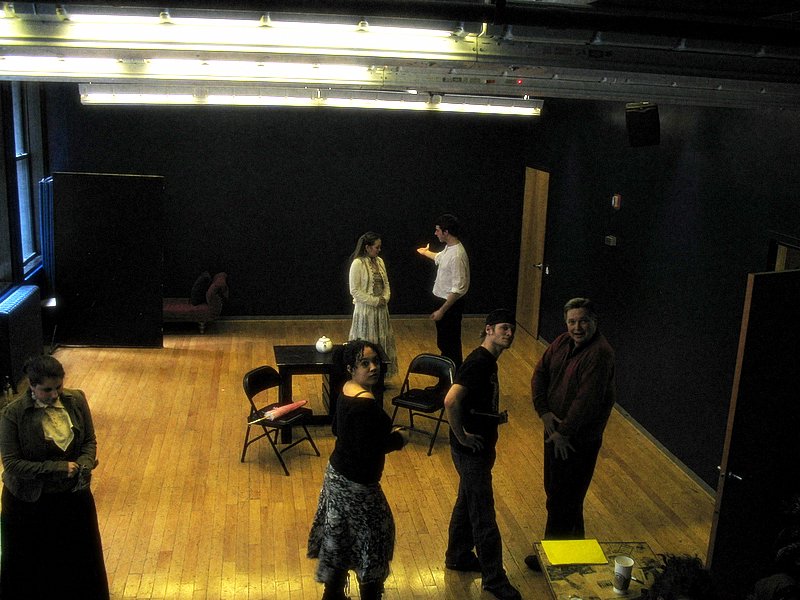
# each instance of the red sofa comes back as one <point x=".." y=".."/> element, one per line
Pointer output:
<point x="183" y="310"/>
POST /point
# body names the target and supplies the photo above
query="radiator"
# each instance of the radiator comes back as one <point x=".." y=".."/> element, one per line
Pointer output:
<point x="20" y="331"/>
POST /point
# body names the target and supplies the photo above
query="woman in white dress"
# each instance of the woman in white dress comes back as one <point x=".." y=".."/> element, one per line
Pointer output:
<point x="369" y="286"/>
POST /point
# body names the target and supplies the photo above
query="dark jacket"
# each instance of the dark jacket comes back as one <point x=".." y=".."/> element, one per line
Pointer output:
<point x="28" y="458"/>
<point x="577" y="385"/>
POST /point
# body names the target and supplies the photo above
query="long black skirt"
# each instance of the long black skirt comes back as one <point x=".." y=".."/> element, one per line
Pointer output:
<point x="51" y="548"/>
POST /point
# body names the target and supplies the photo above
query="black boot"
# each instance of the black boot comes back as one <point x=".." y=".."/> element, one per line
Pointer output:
<point x="371" y="591"/>
<point x="338" y="588"/>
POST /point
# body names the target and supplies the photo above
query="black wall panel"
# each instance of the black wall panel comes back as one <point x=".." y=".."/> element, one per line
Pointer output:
<point x="277" y="197"/>
<point x="104" y="261"/>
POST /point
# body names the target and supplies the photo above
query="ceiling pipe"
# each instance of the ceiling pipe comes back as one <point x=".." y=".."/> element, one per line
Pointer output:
<point x="500" y="12"/>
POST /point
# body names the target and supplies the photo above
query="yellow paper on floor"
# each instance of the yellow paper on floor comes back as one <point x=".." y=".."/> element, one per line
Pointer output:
<point x="574" y="552"/>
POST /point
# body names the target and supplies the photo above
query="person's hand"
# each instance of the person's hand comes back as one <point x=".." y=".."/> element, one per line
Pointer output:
<point x="561" y="445"/>
<point x="424" y="251"/>
<point x="551" y="422"/>
<point x="472" y="440"/>
<point x="72" y="469"/>
<point x="381" y="301"/>
<point x="437" y="315"/>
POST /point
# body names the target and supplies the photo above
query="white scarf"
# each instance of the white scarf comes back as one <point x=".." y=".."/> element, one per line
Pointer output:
<point x="56" y="423"/>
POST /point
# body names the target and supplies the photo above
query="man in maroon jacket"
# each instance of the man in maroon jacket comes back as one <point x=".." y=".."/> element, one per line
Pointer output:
<point x="573" y="393"/>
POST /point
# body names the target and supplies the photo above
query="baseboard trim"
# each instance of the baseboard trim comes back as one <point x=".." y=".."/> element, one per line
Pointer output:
<point x="325" y="317"/>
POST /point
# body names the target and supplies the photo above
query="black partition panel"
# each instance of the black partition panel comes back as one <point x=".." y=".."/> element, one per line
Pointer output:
<point x="103" y="257"/>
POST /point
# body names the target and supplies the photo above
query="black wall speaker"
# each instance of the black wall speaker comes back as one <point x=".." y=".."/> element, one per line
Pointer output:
<point x="644" y="128"/>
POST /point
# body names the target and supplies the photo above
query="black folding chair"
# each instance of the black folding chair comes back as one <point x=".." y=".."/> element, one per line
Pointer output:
<point x="259" y="380"/>
<point x="426" y="401"/>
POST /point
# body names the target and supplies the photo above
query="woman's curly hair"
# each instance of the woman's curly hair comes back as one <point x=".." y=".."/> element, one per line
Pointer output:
<point x="348" y="355"/>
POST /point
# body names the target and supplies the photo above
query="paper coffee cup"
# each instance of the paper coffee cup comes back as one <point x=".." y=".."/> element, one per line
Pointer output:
<point x="623" y="566"/>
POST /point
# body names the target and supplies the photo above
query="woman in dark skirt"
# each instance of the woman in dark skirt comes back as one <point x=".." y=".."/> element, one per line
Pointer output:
<point x="354" y="527"/>
<point x="48" y="525"/>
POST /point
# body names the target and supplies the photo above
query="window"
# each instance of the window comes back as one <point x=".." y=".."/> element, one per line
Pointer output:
<point x="28" y="209"/>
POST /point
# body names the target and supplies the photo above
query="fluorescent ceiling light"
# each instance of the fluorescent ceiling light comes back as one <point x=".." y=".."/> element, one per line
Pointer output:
<point x="130" y="94"/>
<point x="50" y="67"/>
<point x="150" y="36"/>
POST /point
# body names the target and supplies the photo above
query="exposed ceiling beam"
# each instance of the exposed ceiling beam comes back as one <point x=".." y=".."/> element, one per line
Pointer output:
<point x="550" y="50"/>
<point x="595" y="17"/>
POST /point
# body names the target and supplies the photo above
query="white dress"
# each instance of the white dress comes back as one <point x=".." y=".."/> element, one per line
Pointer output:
<point x="368" y="284"/>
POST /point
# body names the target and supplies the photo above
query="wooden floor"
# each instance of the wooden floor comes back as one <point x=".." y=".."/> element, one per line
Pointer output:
<point x="182" y="517"/>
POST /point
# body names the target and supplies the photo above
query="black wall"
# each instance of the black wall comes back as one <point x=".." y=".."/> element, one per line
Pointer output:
<point x="278" y="197"/>
<point x="698" y="212"/>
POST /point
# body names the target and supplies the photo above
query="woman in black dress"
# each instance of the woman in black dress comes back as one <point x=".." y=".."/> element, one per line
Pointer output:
<point x="354" y="527"/>
<point x="48" y="525"/>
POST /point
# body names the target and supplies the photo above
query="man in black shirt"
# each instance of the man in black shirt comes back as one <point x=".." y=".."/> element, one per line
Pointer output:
<point x="473" y="411"/>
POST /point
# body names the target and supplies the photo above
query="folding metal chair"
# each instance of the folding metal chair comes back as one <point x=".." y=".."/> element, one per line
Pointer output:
<point x="259" y="380"/>
<point x="425" y="402"/>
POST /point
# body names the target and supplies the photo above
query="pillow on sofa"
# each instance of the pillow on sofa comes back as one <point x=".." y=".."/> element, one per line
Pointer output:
<point x="198" y="295"/>
<point x="217" y="292"/>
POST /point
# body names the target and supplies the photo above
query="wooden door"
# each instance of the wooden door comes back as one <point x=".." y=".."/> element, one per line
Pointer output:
<point x="760" y="466"/>
<point x="531" y="258"/>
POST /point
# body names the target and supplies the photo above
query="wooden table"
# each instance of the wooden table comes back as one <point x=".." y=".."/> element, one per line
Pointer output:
<point x="303" y="360"/>
<point x="594" y="582"/>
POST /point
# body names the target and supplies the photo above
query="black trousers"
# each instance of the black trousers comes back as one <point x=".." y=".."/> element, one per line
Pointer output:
<point x="566" y="482"/>
<point x="448" y="333"/>
<point x="473" y="523"/>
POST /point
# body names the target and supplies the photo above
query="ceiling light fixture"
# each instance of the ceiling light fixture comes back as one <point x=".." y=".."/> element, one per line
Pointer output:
<point x="123" y="36"/>
<point x="187" y="95"/>
<point x="177" y="69"/>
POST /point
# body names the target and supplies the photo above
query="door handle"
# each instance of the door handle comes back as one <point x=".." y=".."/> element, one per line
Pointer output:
<point x="730" y="474"/>
<point x="542" y="267"/>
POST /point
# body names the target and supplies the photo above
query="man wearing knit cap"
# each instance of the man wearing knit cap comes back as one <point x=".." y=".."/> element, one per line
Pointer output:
<point x="473" y="405"/>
